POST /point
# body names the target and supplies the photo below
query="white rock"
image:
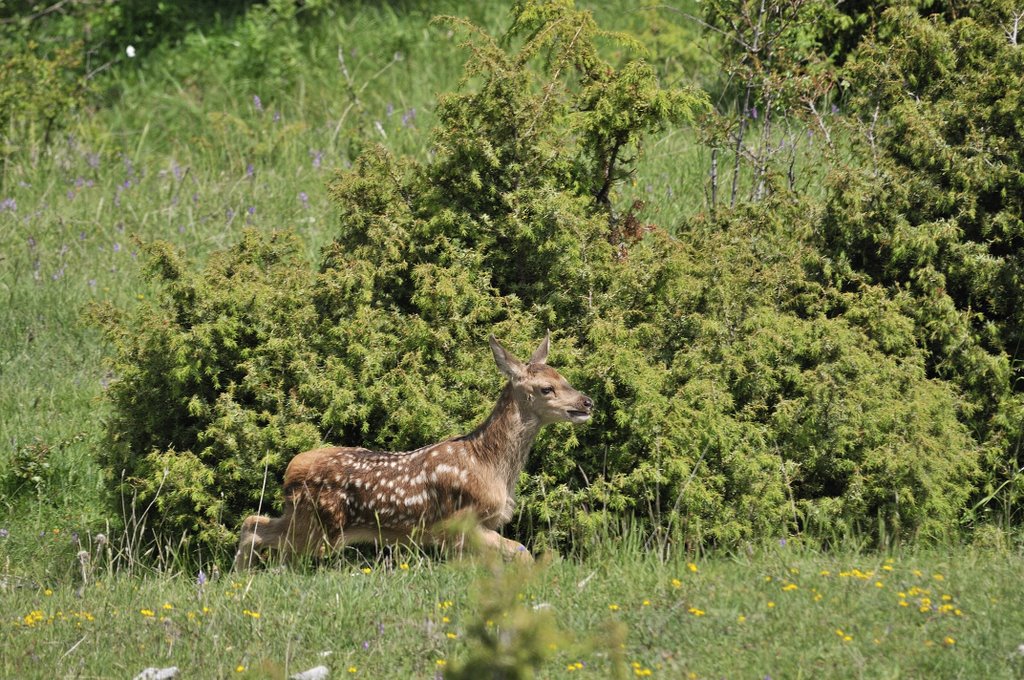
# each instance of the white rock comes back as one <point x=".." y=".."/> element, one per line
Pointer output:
<point x="154" y="673"/>
<point x="317" y="673"/>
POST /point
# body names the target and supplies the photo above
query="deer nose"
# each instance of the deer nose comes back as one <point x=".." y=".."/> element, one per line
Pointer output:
<point x="588" y="403"/>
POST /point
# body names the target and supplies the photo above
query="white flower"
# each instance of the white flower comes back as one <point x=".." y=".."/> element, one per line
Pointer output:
<point x="130" y="51"/>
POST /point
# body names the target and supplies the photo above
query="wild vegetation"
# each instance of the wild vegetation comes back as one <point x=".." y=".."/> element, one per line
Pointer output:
<point x="779" y="244"/>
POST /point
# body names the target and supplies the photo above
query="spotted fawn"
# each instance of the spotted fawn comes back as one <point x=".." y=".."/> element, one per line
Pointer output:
<point x="340" y="495"/>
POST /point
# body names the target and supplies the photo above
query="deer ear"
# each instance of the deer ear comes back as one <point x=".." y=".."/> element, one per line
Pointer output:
<point x="512" y="368"/>
<point x="540" y="355"/>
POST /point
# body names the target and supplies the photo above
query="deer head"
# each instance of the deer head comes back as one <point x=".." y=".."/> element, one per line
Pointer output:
<point x="540" y="390"/>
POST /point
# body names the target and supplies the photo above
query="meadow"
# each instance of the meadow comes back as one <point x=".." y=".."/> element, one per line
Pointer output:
<point x="782" y="612"/>
<point x="187" y="146"/>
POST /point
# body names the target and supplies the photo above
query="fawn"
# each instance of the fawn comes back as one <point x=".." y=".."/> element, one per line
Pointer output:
<point x="340" y="495"/>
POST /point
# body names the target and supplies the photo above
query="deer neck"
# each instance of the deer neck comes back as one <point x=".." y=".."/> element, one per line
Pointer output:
<point x="505" y="438"/>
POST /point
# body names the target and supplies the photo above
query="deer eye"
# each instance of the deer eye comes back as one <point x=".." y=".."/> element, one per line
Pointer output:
<point x="547" y="390"/>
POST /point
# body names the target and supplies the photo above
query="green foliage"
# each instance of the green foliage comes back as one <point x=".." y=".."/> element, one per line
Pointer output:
<point x="37" y="91"/>
<point x="507" y="637"/>
<point x="936" y="212"/>
<point x="32" y="468"/>
<point x="209" y="395"/>
<point x="743" y="387"/>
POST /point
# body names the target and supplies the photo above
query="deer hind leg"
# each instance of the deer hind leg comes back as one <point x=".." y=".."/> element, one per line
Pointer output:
<point x="294" y="533"/>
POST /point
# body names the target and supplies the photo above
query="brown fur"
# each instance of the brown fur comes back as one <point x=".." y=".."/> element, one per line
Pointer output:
<point x="340" y="495"/>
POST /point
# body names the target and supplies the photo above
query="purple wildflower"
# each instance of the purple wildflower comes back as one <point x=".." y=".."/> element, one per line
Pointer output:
<point x="304" y="197"/>
<point x="31" y="243"/>
<point x="257" y="104"/>
<point x="176" y="169"/>
<point x="117" y="247"/>
<point x="389" y="109"/>
<point x="250" y="170"/>
<point x="230" y="214"/>
<point x="409" y="117"/>
<point x="93" y="160"/>
<point x="753" y="112"/>
<point x="8" y="204"/>
<point x="366" y="644"/>
<point x="201" y="578"/>
<point x="82" y="236"/>
<point x="277" y="116"/>
<point x="70" y="194"/>
<point x="4" y="533"/>
<point x="318" y="157"/>
<point x="251" y="210"/>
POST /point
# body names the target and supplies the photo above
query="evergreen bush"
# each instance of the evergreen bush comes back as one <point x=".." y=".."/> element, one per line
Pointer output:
<point x="934" y="212"/>
<point x="739" y="392"/>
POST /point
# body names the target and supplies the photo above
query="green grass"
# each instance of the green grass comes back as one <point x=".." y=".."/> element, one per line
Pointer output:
<point x="782" y="613"/>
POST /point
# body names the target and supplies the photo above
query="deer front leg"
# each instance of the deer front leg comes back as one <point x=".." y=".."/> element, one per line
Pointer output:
<point x="479" y="537"/>
<point x="506" y="547"/>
